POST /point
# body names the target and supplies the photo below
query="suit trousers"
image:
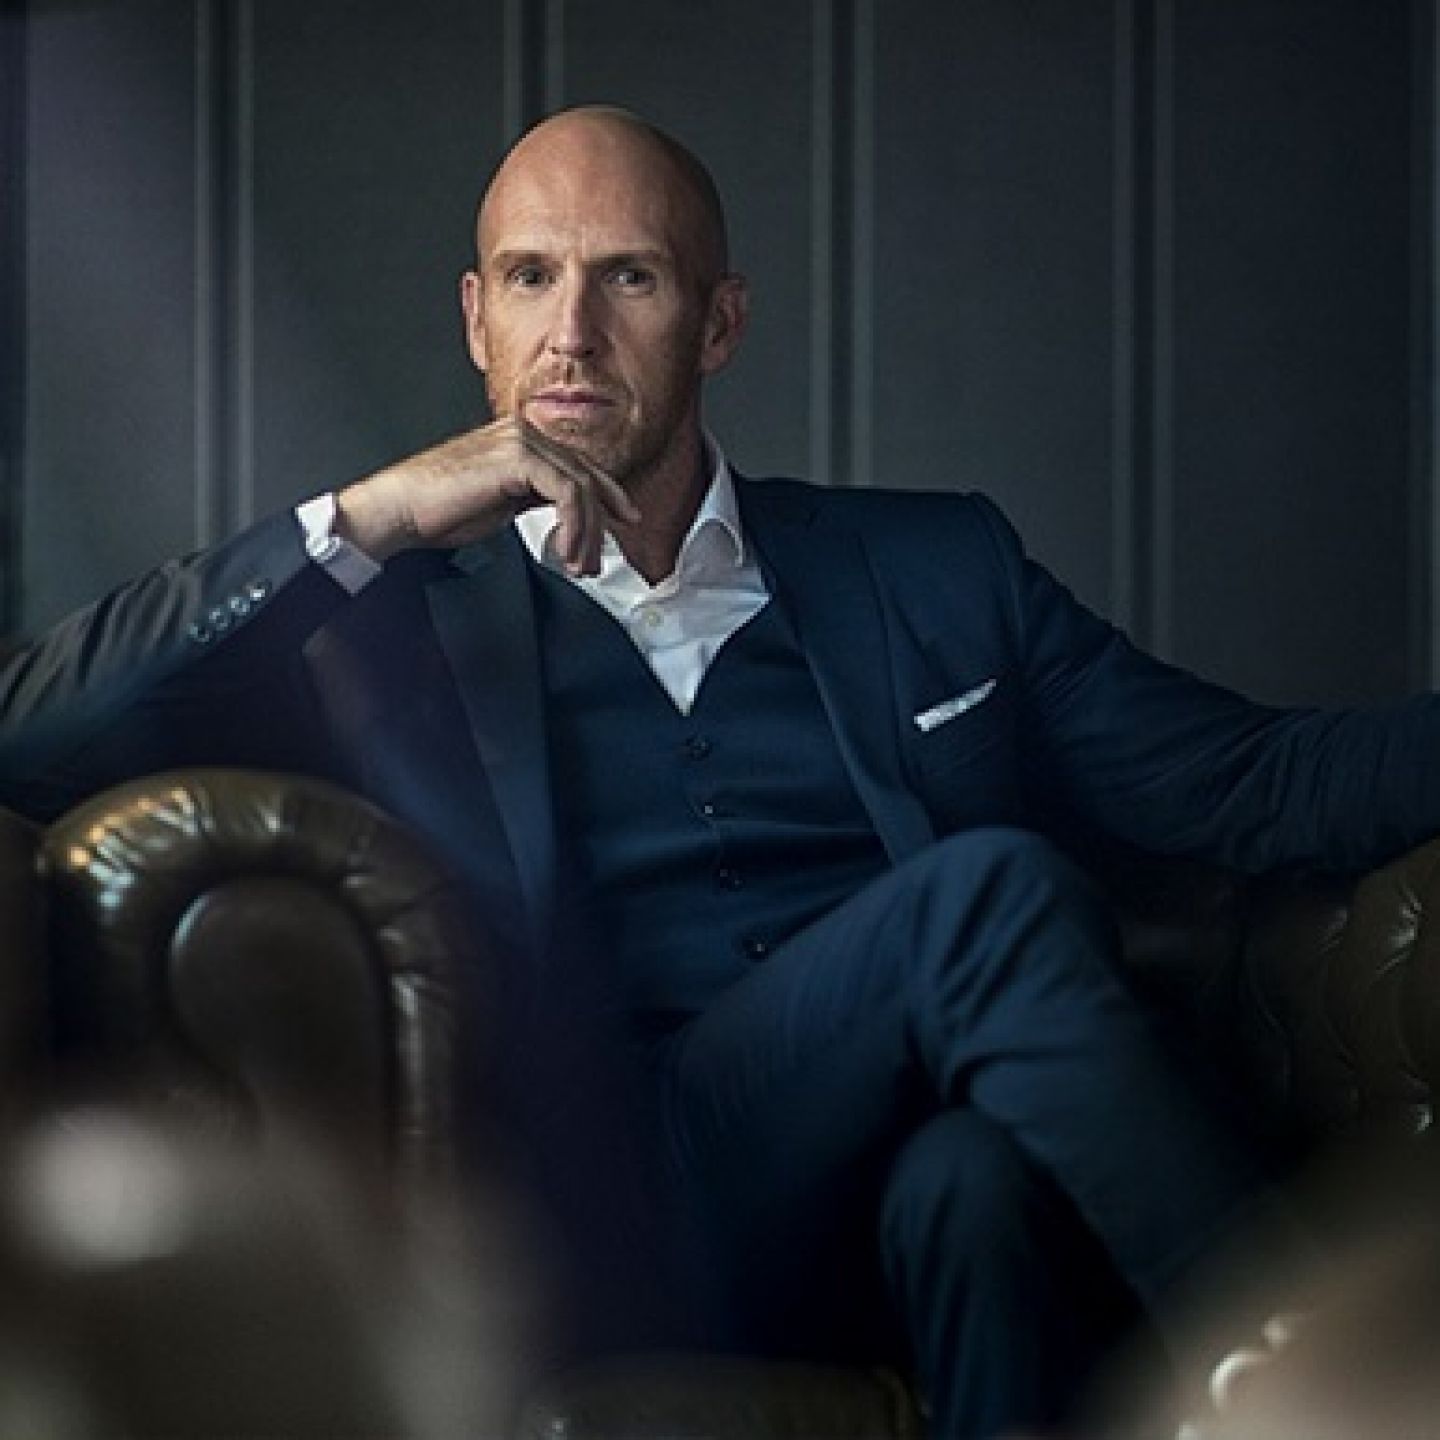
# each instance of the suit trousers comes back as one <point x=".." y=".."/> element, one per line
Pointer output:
<point x="946" y="1072"/>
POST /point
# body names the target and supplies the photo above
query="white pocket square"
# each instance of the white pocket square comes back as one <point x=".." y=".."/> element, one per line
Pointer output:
<point x="937" y="715"/>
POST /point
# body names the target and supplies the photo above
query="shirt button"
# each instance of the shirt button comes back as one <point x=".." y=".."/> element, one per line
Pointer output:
<point x="729" y="879"/>
<point x="755" y="948"/>
<point x="651" y="619"/>
<point x="697" y="747"/>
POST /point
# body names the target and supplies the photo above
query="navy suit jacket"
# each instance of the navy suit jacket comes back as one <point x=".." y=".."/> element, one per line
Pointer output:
<point x="426" y="693"/>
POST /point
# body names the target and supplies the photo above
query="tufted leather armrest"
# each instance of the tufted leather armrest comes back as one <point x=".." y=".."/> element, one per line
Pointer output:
<point x="259" y="946"/>
<point x="1339" y="1005"/>
<point x="1313" y="999"/>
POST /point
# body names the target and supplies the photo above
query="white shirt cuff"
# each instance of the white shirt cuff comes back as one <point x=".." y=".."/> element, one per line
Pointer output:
<point x="345" y="563"/>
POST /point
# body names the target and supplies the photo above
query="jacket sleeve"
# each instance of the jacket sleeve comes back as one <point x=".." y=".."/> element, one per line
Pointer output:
<point x="1151" y="754"/>
<point x="196" y="662"/>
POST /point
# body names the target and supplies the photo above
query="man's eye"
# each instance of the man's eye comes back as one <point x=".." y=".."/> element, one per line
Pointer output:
<point x="526" y="277"/>
<point x="634" y="279"/>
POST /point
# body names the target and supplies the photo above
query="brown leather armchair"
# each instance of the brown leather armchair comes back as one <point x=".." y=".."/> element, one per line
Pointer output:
<point x="270" y="951"/>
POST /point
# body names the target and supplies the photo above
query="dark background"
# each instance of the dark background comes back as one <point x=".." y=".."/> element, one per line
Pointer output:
<point x="1157" y="274"/>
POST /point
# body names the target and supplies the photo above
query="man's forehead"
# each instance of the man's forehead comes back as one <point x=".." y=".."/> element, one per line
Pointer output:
<point x="554" y="210"/>
<point x="588" y="244"/>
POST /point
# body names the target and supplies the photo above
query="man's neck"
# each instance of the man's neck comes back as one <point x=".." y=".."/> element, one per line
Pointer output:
<point x="668" y="498"/>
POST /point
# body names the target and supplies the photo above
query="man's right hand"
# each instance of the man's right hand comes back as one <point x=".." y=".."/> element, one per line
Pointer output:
<point x="467" y="488"/>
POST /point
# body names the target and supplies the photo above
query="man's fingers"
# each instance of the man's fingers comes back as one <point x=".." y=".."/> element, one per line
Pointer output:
<point x="580" y="527"/>
<point x="469" y="486"/>
<point x="581" y="468"/>
<point x="584" y="496"/>
<point x="615" y="499"/>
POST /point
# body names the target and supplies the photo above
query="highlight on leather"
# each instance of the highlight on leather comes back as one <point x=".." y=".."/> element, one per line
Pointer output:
<point x="279" y="937"/>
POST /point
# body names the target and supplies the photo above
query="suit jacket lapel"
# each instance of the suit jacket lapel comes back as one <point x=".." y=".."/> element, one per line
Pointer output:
<point x="483" y="612"/>
<point x="821" y="575"/>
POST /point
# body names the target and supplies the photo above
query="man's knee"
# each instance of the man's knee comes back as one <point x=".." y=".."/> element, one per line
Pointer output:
<point x="1003" y="858"/>
<point x="1002" y="892"/>
<point x="1008" y="944"/>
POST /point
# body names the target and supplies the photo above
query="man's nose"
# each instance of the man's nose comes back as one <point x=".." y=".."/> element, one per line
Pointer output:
<point x="574" y="330"/>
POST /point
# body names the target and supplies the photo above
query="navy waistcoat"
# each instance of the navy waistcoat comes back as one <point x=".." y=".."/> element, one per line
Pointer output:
<point x="697" y="843"/>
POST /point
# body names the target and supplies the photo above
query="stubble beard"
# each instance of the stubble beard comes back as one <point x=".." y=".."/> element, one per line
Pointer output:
<point x="635" y="455"/>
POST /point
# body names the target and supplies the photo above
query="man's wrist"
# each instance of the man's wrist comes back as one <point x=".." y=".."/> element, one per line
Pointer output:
<point x="340" y="558"/>
<point x="367" y="518"/>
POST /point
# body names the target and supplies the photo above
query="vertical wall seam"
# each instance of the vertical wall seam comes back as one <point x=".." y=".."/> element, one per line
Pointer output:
<point x="555" y="87"/>
<point x="842" y="187"/>
<point x="861" y="398"/>
<point x="241" y="376"/>
<point x="514" y="105"/>
<point x="532" y="30"/>
<point x="1424" y="557"/>
<point x="1125" y="530"/>
<point x="13" y="280"/>
<point x="224" y="293"/>
<point x="841" y="300"/>
<point x="822" y="213"/>
<point x="1163" y="340"/>
<point x="206" y="304"/>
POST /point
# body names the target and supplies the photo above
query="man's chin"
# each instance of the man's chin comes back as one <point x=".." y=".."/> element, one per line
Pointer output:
<point x="587" y="440"/>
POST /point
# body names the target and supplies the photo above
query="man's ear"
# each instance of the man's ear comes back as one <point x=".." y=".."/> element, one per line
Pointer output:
<point x="725" y="322"/>
<point x="470" y="286"/>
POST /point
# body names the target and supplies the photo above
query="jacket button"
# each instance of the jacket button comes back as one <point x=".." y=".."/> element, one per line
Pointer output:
<point x="697" y="747"/>
<point x="257" y="590"/>
<point x="709" y="809"/>
<point x="755" y="947"/>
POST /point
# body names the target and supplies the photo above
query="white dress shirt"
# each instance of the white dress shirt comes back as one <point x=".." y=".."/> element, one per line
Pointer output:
<point x="678" y="624"/>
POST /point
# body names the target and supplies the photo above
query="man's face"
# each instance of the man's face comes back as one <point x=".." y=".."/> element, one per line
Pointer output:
<point x="589" y="311"/>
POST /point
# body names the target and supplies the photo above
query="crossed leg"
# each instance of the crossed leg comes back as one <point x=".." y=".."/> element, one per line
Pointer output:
<point x="949" y="1060"/>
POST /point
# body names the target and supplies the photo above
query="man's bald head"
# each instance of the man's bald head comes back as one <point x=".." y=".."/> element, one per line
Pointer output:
<point x="625" y="150"/>
<point x="601" y="299"/>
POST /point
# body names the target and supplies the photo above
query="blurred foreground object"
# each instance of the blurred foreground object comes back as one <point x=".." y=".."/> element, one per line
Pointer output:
<point x="156" y="1282"/>
<point x="1362" y="1364"/>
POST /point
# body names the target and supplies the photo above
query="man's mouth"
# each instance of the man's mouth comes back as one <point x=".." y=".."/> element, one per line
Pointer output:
<point x="572" y="403"/>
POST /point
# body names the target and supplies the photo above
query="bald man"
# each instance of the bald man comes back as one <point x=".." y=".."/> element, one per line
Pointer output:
<point x="757" y="785"/>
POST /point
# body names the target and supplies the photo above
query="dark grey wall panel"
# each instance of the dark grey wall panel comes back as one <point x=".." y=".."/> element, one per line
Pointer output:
<point x="375" y="127"/>
<point x="994" y="261"/>
<point x="13" y="125"/>
<point x="110" y="294"/>
<point x="733" y="78"/>
<point x="1158" y="274"/>
<point x="1291" y="387"/>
